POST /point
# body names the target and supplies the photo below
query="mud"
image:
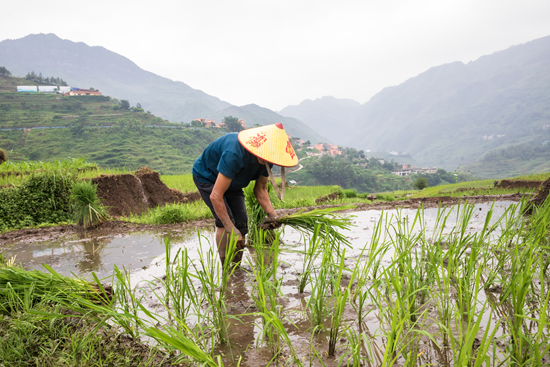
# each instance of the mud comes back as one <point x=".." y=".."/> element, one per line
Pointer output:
<point x="326" y="198"/>
<point x="541" y="196"/>
<point x="518" y="184"/>
<point x="128" y="194"/>
<point x="117" y="226"/>
<point x="113" y="226"/>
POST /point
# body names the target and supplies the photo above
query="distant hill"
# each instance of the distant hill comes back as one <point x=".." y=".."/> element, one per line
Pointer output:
<point x="451" y="114"/>
<point x="253" y="114"/>
<point x="84" y="67"/>
<point x="328" y="115"/>
<point x="454" y="113"/>
<point x="115" y="75"/>
<point x="521" y="159"/>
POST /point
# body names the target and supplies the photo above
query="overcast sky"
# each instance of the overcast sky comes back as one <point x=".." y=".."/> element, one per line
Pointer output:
<point x="277" y="53"/>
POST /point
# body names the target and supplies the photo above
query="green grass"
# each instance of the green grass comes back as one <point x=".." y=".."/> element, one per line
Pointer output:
<point x="184" y="183"/>
<point x="485" y="187"/>
<point x="533" y="176"/>
<point x="173" y="213"/>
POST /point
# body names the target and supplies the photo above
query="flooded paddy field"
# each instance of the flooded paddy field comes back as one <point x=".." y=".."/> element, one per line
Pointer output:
<point x="465" y="285"/>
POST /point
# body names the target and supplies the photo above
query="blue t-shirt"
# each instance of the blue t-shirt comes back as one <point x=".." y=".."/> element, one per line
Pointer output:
<point x="228" y="157"/>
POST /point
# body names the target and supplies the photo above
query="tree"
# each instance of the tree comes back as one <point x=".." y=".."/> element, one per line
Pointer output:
<point x="3" y="156"/>
<point x="197" y="123"/>
<point x="124" y="104"/>
<point x="232" y="124"/>
<point x="138" y="105"/>
<point x="4" y="71"/>
<point x="421" y="183"/>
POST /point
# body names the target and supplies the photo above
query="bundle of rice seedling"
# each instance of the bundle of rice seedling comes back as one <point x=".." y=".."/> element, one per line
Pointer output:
<point x="305" y="222"/>
<point x="87" y="208"/>
<point x="20" y="287"/>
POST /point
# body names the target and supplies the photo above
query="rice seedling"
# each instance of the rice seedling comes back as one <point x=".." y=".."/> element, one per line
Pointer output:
<point x="340" y="297"/>
<point x="317" y="303"/>
<point x="87" y="208"/>
<point x="354" y="346"/>
<point x="312" y="249"/>
<point x="213" y="277"/>
<point x="256" y="214"/>
<point x="179" y="291"/>
<point x="267" y="287"/>
<point x="20" y="289"/>
<point x="305" y="223"/>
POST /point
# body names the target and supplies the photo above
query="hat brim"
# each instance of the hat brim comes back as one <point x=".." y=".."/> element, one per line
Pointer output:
<point x="269" y="143"/>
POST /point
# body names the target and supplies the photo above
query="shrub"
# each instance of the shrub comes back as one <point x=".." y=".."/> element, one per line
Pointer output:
<point x="386" y="197"/>
<point x="421" y="183"/>
<point x="350" y="193"/>
<point x="338" y="190"/>
<point x="363" y="195"/>
<point x="87" y="209"/>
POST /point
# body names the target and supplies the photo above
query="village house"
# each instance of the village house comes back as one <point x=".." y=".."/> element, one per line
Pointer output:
<point x="411" y="170"/>
<point x="82" y="92"/>
<point x="325" y="148"/>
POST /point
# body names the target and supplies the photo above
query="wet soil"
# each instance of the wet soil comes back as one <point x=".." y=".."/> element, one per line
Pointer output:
<point x="117" y="226"/>
<point x="113" y="226"/>
<point x="128" y="194"/>
<point x="541" y="196"/>
<point x="518" y="184"/>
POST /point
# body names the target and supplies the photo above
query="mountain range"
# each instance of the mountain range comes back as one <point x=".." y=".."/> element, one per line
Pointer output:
<point x="115" y="75"/>
<point x="449" y="115"/>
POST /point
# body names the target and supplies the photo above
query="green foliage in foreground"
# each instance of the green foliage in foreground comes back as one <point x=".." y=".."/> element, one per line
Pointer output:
<point x="37" y="330"/>
<point x="43" y="198"/>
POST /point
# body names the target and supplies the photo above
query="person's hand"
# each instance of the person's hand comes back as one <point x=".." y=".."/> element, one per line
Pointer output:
<point x="271" y="222"/>
<point x="236" y="233"/>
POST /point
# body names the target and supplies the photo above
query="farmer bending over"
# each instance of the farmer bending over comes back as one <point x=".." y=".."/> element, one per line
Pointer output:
<point x="228" y="165"/>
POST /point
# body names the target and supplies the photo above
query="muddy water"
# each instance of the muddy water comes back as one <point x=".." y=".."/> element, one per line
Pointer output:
<point x="144" y="254"/>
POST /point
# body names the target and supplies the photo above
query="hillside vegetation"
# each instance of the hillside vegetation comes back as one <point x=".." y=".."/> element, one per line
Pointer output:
<point x="96" y="127"/>
<point x="532" y="157"/>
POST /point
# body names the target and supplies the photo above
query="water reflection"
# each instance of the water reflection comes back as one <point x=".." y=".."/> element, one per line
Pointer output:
<point x="99" y="250"/>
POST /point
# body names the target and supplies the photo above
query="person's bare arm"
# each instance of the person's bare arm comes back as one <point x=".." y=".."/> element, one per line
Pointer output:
<point x="220" y="187"/>
<point x="260" y="191"/>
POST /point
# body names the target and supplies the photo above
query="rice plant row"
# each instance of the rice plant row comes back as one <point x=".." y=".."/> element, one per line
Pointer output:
<point x="413" y="297"/>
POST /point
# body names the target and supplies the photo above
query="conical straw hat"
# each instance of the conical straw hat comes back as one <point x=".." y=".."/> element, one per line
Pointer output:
<point x="269" y="143"/>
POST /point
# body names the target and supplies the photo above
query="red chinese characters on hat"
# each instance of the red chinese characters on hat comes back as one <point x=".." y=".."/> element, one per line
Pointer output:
<point x="290" y="150"/>
<point x="258" y="140"/>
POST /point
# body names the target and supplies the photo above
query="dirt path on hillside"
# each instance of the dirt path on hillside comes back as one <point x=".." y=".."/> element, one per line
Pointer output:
<point x="117" y="226"/>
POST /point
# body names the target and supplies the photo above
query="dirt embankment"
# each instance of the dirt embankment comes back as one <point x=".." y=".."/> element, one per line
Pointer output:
<point x="133" y="194"/>
<point x="518" y="184"/>
<point x="541" y="196"/>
